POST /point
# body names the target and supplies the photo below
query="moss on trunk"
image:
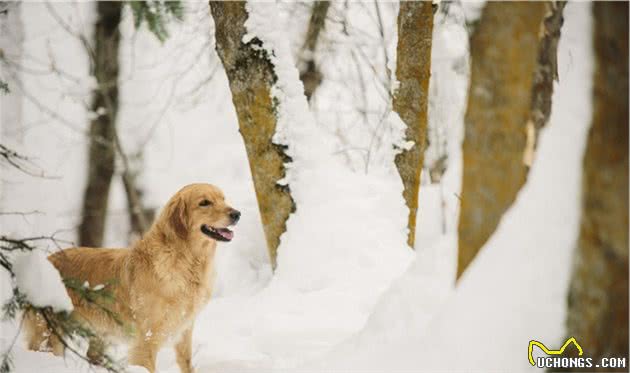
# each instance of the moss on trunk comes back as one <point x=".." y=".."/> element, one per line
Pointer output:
<point x="413" y="70"/>
<point x="251" y="76"/>
<point x="504" y="61"/>
<point x="598" y="295"/>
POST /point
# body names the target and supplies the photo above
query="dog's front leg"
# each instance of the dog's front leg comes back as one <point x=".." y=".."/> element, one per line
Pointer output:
<point x="183" y="350"/>
<point x="143" y="353"/>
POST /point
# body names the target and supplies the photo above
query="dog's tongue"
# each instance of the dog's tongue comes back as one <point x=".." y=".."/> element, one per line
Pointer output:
<point x="226" y="233"/>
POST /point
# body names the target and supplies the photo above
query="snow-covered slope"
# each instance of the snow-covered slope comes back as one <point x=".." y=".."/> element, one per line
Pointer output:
<point x="516" y="288"/>
<point x="346" y="243"/>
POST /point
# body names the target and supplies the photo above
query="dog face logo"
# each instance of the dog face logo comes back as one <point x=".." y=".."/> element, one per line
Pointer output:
<point x="533" y="343"/>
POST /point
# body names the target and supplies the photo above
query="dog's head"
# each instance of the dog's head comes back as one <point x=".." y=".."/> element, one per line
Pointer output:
<point x="200" y="209"/>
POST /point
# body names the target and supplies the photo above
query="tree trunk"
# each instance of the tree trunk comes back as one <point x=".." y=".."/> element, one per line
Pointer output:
<point x="413" y="70"/>
<point x="140" y="218"/>
<point x="309" y="73"/>
<point x="598" y="295"/>
<point x="102" y="151"/>
<point x="501" y="108"/>
<point x="251" y="76"/>
<point x="546" y="73"/>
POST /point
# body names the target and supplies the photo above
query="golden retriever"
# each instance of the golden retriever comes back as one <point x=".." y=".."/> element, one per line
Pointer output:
<point x="159" y="284"/>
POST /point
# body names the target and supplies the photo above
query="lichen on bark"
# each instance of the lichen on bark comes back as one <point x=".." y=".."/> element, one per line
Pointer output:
<point x="598" y="296"/>
<point x="413" y="70"/>
<point x="504" y="62"/>
<point x="546" y="73"/>
<point x="251" y="77"/>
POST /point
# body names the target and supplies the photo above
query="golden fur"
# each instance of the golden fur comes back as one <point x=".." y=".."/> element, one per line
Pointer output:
<point x="159" y="284"/>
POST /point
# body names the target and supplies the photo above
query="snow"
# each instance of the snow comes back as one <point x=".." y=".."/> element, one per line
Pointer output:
<point x="40" y="281"/>
<point x="516" y="288"/>
<point x="374" y="245"/>
<point x="137" y="369"/>
<point x="295" y="126"/>
<point x="356" y="258"/>
<point x="347" y="294"/>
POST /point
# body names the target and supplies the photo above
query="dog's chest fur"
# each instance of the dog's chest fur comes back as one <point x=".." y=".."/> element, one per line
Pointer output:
<point x="180" y="284"/>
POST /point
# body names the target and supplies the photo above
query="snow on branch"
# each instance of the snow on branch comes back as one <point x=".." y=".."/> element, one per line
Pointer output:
<point x="37" y="288"/>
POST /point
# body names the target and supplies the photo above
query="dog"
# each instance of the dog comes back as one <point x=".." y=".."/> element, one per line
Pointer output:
<point x="158" y="285"/>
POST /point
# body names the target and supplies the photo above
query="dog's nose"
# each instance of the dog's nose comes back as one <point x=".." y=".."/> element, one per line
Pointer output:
<point x="235" y="215"/>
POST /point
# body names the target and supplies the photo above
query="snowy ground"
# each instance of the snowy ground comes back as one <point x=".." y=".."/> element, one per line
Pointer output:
<point x="347" y="294"/>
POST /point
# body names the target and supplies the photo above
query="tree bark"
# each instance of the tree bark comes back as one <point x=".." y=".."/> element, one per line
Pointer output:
<point x="310" y="75"/>
<point x="598" y="295"/>
<point x="102" y="152"/>
<point x="140" y="218"/>
<point x="546" y="73"/>
<point x="413" y="70"/>
<point x="251" y="76"/>
<point x="504" y="51"/>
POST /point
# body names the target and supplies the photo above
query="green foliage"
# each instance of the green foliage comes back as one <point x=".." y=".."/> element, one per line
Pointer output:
<point x="156" y="14"/>
<point x="4" y="87"/>
<point x="11" y="308"/>
<point x="69" y="330"/>
<point x="96" y="298"/>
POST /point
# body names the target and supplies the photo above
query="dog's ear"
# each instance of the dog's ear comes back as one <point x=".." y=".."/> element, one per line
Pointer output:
<point x="178" y="219"/>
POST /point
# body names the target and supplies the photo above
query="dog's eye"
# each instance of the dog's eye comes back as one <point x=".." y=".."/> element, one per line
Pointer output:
<point x="205" y="203"/>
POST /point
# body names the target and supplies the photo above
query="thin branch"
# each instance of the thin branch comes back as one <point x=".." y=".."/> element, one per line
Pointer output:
<point x="22" y="163"/>
<point x="34" y="212"/>
<point x="381" y="31"/>
<point x="24" y="244"/>
<point x="86" y="44"/>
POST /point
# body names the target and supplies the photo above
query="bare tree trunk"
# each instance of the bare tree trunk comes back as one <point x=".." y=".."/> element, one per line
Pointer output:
<point x="102" y="151"/>
<point x="310" y="75"/>
<point x="507" y="85"/>
<point x="251" y="76"/>
<point x="413" y="70"/>
<point x="598" y="296"/>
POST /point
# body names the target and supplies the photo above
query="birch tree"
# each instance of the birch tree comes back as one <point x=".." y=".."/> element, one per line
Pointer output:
<point x="413" y="70"/>
<point x="598" y="295"/>
<point x="251" y="76"/>
<point x="509" y="100"/>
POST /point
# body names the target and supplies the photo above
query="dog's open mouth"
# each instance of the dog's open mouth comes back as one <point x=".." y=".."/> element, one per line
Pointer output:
<point x="219" y="234"/>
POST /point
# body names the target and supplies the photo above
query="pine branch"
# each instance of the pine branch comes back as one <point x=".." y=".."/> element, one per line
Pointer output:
<point x="66" y="327"/>
<point x="156" y="14"/>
